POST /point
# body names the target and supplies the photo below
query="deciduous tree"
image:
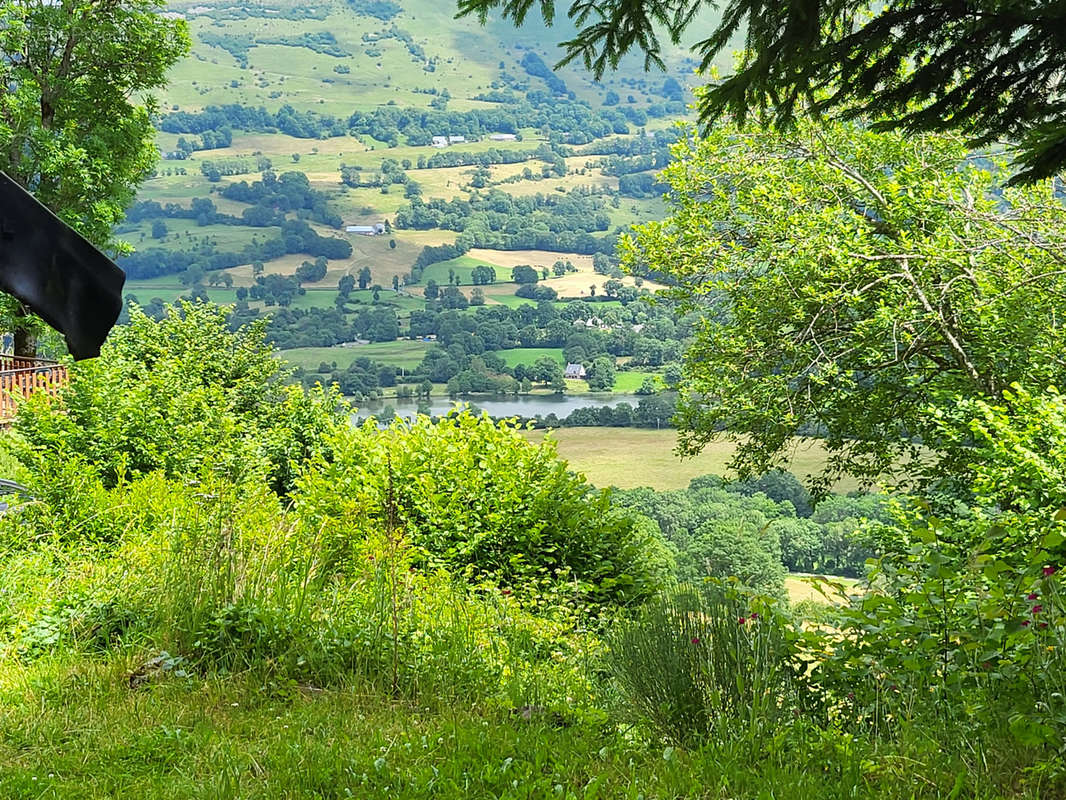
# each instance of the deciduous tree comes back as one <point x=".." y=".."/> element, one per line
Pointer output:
<point x="853" y="286"/>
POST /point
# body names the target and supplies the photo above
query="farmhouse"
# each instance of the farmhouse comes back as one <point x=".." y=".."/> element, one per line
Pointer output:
<point x="574" y="371"/>
<point x="376" y="229"/>
<point x="440" y="141"/>
<point x="503" y="137"/>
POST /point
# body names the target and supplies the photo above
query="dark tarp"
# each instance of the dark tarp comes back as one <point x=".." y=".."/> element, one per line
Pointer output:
<point x="56" y="272"/>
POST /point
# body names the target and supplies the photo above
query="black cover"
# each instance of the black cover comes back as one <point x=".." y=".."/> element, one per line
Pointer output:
<point x="57" y="272"/>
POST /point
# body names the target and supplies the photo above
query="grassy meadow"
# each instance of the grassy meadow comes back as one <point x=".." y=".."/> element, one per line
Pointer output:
<point x="633" y="457"/>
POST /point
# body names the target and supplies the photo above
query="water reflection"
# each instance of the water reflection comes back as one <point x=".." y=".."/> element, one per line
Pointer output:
<point x="497" y="406"/>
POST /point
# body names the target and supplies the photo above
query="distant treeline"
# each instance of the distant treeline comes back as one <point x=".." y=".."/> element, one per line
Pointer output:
<point x="535" y="66"/>
<point x="575" y="120"/>
<point x="556" y="222"/>
<point x="653" y="411"/>
<point x="296" y="237"/>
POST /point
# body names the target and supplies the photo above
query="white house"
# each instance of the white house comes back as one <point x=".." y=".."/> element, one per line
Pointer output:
<point x="376" y="229"/>
<point x="440" y="141"/>
<point x="503" y="137"/>
<point x="574" y="371"/>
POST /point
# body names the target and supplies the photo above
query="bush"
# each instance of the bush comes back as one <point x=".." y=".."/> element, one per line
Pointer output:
<point x="472" y="496"/>
<point x="173" y="395"/>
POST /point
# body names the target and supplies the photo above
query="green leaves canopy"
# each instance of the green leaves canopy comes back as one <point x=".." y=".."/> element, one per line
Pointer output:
<point x="853" y="285"/>
<point x="75" y="123"/>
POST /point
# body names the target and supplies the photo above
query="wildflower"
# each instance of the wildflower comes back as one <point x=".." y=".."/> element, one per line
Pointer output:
<point x="1042" y="625"/>
<point x="742" y="620"/>
<point x="1025" y="623"/>
<point x="1049" y="571"/>
<point x="505" y="592"/>
<point x="753" y="615"/>
<point x="1037" y="609"/>
<point x="1032" y="596"/>
<point x="695" y="639"/>
<point x="851" y="695"/>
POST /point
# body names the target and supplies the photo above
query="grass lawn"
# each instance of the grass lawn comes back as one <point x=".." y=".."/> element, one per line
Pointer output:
<point x="462" y="267"/>
<point x="632" y="457"/>
<point x="73" y="728"/>
<point x="629" y="382"/>
<point x="528" y="355"/>
<point x="800" y="588"/>
<point x="401" y="353"/>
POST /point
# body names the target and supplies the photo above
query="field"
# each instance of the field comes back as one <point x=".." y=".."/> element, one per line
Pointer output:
<point x="400" y="353"/>
<point x="372" y="68"/>
<point x="632" y="457"/>
<point x="528" y="355"/>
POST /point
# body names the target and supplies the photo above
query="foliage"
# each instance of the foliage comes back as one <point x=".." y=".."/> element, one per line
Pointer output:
<point x="472" y="496"/>
<point x="722" y="529"/>
<point x="708" y="662"/>
<point x="991" y="72"/>
<point x="912" y="276"/>
<point x="71" y="130"/>
<point x="174" y="396"/>
<point x="71" y="127"/>
<point x="601" y="374"/>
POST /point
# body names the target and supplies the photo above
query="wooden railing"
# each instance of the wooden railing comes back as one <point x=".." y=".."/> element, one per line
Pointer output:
<point x="21" y="377"/>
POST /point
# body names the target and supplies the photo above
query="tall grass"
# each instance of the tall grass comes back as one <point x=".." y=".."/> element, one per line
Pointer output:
<point x="708" y="661"/>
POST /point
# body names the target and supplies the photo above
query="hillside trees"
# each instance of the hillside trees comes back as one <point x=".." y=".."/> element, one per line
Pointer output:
<point x="853" y="285"/>
<point x="75" y="109"/>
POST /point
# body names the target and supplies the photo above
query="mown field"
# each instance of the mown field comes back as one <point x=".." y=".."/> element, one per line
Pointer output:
<point x="402" y="353"/>
<point x="632" y="457"/>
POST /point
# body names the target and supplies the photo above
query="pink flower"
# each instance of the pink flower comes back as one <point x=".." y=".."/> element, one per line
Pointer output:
<point x="1042" y="625"/>
<point x="1032" y="596"/>
<point x="741" y="621"/>
<point x="1025" y="623"/>
<point x="505" y="591"/>
<point x="753" y="615"/>
<point x="1049" y="571"/>
<point x="1037" y="609"/>
<point x="695" y="639"/>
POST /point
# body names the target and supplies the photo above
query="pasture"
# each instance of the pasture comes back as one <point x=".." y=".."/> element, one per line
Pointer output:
<point x="401" y="353"/>
<point x="633" y="457"/>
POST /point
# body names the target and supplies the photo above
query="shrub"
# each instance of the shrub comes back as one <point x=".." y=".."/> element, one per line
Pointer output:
<point x="474" y="497"/>
<point x="174" y="395"/>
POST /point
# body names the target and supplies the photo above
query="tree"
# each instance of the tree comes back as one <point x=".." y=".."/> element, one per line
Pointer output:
<point x="523" y="273"/>
<point x="364" y="277"/>
<point x="432" y="290"/>
<point x="601" y="374"/>
<point x="75" y="110"/>
<point x="159" y="229"/>
<point x="546" y="370"/>
<point x="648" y="386"/>
<point x="992" y="70"/>
<point x="482" y="275"/>
<point x="396" y="283"/>
<point x="862" y="282"/>
<point x="346" y="284"/>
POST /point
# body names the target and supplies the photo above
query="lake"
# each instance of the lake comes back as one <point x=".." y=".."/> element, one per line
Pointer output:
<point x="501" y="405"/>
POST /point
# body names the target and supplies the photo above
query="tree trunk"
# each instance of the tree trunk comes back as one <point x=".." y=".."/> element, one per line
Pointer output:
<point x="25" y="337"/>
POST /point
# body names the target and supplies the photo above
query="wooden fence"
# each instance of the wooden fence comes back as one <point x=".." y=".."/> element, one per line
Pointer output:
<point x="21" y="377"/>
